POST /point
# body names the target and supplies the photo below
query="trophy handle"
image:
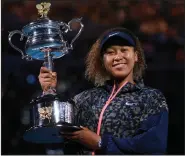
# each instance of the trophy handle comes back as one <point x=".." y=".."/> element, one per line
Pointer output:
<point x="68" y="28"/>
<point x="13" y="46"/>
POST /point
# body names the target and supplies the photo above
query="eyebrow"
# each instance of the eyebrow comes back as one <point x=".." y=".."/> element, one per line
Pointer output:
<point x="122" y="47"/>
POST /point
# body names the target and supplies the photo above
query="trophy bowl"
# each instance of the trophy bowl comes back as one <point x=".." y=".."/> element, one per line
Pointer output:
<point x="45" y="33"/>
<point x="42" y="34"/>
<point x="45" y="42"/>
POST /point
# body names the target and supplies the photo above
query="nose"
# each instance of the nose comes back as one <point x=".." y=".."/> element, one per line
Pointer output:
<point x="118" y="56"/>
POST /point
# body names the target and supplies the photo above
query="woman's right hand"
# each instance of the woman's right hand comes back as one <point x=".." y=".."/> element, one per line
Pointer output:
<point x="47" y="79"/>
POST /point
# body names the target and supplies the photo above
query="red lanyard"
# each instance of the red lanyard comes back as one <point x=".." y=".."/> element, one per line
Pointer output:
<point x="112" y="96"/>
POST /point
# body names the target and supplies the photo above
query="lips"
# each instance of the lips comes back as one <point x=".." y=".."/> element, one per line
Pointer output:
<point x="119" y="65"/>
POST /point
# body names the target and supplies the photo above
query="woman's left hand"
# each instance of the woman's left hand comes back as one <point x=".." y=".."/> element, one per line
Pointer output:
<point x="83" y="136"/>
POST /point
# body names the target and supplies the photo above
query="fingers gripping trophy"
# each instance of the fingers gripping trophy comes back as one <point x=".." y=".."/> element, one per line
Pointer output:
<point x="45" y="42"/>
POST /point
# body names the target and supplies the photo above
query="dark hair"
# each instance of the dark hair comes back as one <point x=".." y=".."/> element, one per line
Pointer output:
<point x="96" y="72"/>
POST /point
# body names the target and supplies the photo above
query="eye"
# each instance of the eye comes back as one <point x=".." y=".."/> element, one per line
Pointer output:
<point x="124" y="50"/>
<point x="110" y="52"/>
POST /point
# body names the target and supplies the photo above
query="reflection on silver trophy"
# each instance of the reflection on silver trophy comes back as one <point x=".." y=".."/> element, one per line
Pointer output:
<point x="45" y="42"/>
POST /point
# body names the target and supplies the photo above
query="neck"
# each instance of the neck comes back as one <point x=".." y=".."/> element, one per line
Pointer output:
<point x="120" y="82"/>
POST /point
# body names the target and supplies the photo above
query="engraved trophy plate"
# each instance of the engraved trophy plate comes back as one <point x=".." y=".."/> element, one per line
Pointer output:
<point x="45" y="42"/>
<point x="49" y="117"/>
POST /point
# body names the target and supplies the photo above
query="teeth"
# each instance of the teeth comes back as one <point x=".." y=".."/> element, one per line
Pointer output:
<point x="119" y="64"/>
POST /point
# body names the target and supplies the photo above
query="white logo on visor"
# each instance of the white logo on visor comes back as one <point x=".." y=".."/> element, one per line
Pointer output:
<point x="113" y="34"/>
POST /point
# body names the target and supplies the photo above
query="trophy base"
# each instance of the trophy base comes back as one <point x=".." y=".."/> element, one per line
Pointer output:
<point x="48" y="134"/>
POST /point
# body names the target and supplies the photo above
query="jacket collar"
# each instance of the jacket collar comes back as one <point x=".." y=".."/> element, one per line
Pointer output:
<point x="129" y="87"/>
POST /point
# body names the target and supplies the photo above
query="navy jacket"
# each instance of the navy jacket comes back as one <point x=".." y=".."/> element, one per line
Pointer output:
<point x="135" y="122"/>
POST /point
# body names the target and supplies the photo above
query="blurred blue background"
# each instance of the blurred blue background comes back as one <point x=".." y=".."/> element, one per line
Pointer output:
<point x="158" y="24"/>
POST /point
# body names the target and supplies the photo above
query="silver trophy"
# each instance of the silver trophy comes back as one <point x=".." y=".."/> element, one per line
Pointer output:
<point x="45" y="42"/>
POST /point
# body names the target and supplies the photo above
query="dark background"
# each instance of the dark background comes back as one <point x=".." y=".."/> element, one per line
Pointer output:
<point x="158" y="24"/>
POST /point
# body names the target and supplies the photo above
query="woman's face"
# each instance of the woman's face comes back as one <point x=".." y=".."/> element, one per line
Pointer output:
<point x="119" y="61"/>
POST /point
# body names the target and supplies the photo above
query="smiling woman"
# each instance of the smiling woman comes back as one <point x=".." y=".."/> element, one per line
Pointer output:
<point x="120" y="115"/>
<point x="119" y="62"/>
<point x="115" y="37"/>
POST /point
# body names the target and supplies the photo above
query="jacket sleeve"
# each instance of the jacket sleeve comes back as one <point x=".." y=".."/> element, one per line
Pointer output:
<point x="150" y="138"/>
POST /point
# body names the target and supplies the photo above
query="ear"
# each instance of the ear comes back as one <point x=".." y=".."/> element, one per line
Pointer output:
<point x="136" y="56"/>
